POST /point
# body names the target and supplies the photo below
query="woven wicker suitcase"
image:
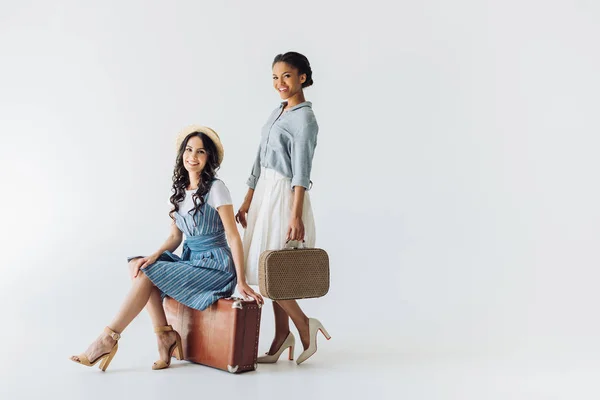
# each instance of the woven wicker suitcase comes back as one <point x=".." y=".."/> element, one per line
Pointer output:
<point x="293" y="273"/>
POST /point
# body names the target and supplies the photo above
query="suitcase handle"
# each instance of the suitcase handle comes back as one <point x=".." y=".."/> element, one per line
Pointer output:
<point x="301" y="246"/>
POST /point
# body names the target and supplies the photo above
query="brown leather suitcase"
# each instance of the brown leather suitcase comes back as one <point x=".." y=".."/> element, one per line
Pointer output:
<point x="224" y="336"/>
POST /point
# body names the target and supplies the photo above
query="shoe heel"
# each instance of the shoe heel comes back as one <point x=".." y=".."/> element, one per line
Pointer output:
<point x="324" y="332"/>
<point x="106" y="361"/>
<point x="291" y="353"/>
<point x="179" y="349"/>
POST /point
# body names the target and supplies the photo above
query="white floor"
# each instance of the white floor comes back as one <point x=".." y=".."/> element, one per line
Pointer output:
<point x="38" y="337"/>
<point x="338" y="370"/>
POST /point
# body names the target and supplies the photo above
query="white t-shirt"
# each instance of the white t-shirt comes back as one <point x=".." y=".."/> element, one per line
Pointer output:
<point x="217" y="196"/>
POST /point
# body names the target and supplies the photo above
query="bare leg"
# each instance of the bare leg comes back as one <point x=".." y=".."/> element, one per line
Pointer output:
<point x="165" y="340"/>
<point x="155" y="308"/>
<point x="157" y="314"/>
<point x="154" y="305"/>
<point x="291" y="308"/>
<point x="282" y="328"/>
<point x="134" y="303"/>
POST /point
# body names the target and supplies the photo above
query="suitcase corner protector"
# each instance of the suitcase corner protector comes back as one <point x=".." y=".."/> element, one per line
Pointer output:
<point x="237" y="303"/>
<point x="231" y="369"/>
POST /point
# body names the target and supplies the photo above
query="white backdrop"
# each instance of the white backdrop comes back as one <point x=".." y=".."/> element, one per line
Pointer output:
<point x="455" y="174"/>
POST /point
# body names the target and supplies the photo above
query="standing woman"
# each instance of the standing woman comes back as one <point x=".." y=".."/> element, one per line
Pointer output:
<point x="277" y="207"/>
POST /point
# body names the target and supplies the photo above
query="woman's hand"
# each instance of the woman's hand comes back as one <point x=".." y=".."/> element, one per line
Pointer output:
<point x="141" y="263"/>
<point x="134" y="266"/>
<point x="246" y="291"/>
<point x="295" y="230"/>
<point x="240" y="217"/>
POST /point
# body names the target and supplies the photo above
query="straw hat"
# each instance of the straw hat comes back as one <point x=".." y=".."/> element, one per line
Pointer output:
<point x="208" y="132"/>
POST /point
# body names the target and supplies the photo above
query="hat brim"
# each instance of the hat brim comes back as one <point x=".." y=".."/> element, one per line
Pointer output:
<point x="208" y="132"/>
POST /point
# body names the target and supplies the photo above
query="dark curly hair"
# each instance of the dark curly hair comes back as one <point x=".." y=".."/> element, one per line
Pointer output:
<point x="181" y="179"/>
<point x="297" y="61"/>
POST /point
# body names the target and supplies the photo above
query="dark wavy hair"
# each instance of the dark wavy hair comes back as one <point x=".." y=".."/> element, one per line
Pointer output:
<point x="297" y="61"/>
<point x="181" y="179"/>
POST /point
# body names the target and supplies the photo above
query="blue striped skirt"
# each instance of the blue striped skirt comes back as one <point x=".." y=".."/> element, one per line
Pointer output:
<point x="202" y="275"/>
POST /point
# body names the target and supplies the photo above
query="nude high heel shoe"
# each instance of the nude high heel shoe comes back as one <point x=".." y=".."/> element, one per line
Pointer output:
<point x="313" y="327"/>
<point x="106" y="357"/>
<point x="160" y="364"/>
<point x="290" y="341"/>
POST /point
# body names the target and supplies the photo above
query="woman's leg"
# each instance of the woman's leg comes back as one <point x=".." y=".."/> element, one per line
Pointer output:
<point x="154" y="306"/>
<point x="291" y="308"/>
<point x="282" y="328"/>
<point x="156" y="310"/>
<point x="134" y="303"/>
<point x="157" y="314"/>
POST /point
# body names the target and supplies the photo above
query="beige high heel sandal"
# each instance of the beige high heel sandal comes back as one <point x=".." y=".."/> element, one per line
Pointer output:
<point x="160" y="364"/>
<point x="290" y="341"/>
<point x="106" y="357"/>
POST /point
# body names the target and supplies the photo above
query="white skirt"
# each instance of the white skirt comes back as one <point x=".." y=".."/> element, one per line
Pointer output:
<point x="269" y="218"/>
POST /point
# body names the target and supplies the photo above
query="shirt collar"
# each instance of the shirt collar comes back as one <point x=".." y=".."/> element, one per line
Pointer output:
<point x="297" y="106"/>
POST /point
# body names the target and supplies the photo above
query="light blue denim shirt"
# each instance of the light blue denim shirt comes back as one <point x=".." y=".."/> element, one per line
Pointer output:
<point x="288" y="144"/>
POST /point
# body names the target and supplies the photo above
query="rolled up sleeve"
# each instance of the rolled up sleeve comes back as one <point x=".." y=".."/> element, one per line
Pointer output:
<point x="255" y="174"/>
<point x="302" y="152"/>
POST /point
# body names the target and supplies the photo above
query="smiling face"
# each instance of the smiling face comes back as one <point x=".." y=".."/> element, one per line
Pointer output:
<point x="195" y="155"/>
<point x="286" y="80"/>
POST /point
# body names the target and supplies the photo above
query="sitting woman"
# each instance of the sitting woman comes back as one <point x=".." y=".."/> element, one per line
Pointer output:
<point x="208" y="268"/>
